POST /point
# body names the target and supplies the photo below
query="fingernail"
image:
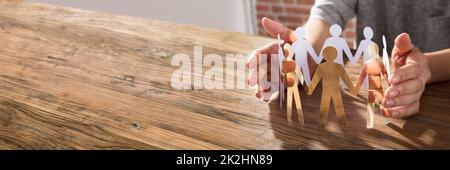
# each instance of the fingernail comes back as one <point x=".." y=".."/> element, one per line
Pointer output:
<point x="393" y="93"/>
<point x="390" y="103"/>
<point x="395" y="79"/>
<point x="395" y="114"/>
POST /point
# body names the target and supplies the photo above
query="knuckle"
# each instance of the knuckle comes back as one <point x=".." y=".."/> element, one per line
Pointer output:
<point x="413" y="70"/>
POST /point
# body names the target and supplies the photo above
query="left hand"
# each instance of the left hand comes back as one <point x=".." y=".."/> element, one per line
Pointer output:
<point x="408" y="81"/>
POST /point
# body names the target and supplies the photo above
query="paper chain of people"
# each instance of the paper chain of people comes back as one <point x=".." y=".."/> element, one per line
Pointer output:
<point x="331" y="72"/>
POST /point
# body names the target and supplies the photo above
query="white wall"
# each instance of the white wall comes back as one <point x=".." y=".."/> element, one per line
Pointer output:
<point x="231" y="15"/>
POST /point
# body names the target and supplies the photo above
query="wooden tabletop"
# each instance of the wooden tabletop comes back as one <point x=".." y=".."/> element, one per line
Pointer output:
<point x="76" y="79"/>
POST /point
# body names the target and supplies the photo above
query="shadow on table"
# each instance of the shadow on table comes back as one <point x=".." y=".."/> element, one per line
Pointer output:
<point x="356" y="136"/>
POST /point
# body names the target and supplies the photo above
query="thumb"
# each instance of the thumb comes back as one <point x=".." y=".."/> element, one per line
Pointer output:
<point x="275" y="28"/>
<point x="403" y="45"/>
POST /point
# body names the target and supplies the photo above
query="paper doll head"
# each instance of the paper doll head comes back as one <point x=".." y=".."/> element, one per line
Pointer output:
<point x="300" y="32"/>
<point x="368" y="33"/>
<point x="335" y="30"/>
<point x="288" y="51"/>
<point x="329" y="53"/>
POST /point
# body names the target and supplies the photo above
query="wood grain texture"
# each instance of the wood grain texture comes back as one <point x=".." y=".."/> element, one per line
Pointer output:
<point x="76" y="79"/>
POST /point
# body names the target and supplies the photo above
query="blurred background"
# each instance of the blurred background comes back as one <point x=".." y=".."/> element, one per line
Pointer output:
<point x="231" y="15"/>
<point x="293" y="13"/>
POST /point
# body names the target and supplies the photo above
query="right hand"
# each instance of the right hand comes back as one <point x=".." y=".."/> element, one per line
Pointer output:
<point x="408" y="80"/>
<point x="288" y="36"/>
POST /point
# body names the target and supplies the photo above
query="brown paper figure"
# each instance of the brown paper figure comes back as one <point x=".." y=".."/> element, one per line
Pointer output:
<point x="289" y="76"/>
<point x="374" y="69"/>
<point x="330" y="73"/>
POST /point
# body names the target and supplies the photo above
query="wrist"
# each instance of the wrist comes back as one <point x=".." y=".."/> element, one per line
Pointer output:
<point x="428" y="79"/>
<point x="437" y="63"/>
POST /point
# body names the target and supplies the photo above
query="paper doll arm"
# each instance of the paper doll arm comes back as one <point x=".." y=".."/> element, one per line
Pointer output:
<point x="360" y="80"/>
<point x="299" y="75"/>
<point x="316" y="58"/>
<point x="358" y="54"/>
<point x="383" y="71"/>
<point x="349" y="54"/>
<point x="315" y="81"/>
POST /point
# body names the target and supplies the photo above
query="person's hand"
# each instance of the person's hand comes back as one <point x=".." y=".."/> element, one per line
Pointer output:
<point x="408" y="81"/>
<point x="287" y="35"/>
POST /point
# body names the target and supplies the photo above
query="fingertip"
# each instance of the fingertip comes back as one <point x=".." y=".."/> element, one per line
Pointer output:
<point x="393" y="93"/>
<point x="266" y="22"/>
<point x="258" y="93"/>
<point x="403" y="43"/>
<point x="388" y="103"/>
<point x="265" y="19"/>
<point x="402" y="38"/>
<point x="274" y="28"/>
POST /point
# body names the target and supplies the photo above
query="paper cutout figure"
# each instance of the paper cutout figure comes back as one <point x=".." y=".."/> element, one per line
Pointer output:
<point x="363" y="49"/>
<point x="387" y="66"/>
<point x="301" y="48"/>
<point x="280" y="60"/>
<point x="330" y="73"/>
<point x="339" y="43"/>
<point x="291" y="81"/>
<point x="374" y="69"/>
<point x="386" y="58"/>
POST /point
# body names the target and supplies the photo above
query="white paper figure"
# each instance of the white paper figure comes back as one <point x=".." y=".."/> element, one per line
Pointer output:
<point x="280" y="61"/>
<point x="386" y="58"/>
<point x="301" y="48"/>
<point x="387" y="65"/>
<point x="363" y="49"/>
<point x="339" y="43"/>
